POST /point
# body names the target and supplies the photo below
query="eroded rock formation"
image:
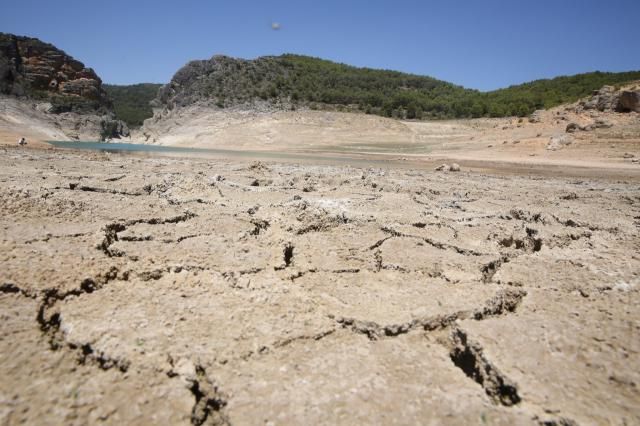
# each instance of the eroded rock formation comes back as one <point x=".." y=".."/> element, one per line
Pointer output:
<point x="610" y="99"/>
<point x="32" y="68"/>
<point x="35" y="71"/>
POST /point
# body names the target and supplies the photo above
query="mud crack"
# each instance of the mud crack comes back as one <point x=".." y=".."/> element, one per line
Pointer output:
<point x="287" y="257"/>
<point x="431" y="242"/>
<point x="469" y="357"/>
<point x="528" y="244"/>
<point x="210" y="401"/>
<point x="562" y="421"/>
<point x="9" y="288"/>
<point x="86" y="355"/>
<point x="322" y="222"/>
<point x="377" y="257"/>
<point x="259" y="225"/>
<point x="504" y="302"/>
<point x="300" y="274"/>
<point x="86" y="188"/>
<point x="491" y="268"/>
<point x="111" y="230"/>
<point x="49" y="320"/>
<point x="285" y="342"/>
<point x="316" y="337"/>
<point x="115" y="178"/>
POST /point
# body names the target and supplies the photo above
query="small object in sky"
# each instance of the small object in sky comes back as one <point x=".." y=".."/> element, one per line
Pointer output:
<point x="275" y="26"/>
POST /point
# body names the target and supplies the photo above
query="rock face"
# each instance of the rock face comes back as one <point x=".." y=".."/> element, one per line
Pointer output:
<point x="610" y="99"/>
<point x="68" y="93"/>
<point x="32" y="68"/>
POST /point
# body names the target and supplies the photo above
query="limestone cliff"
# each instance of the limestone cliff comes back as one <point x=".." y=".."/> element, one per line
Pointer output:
<point x="36" y="72"/>
<point x="32" y="68"/>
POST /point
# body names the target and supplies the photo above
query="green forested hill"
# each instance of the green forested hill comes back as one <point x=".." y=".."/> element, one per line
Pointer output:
<point x="543" y="94"/>
<point x="316" y="83"/>
<point x="131" y="103"/>
<point x="382" y="92"/>
<point x="294" y="81"/>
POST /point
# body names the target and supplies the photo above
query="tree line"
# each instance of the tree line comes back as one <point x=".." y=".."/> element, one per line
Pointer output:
<point x="295" y="81"/>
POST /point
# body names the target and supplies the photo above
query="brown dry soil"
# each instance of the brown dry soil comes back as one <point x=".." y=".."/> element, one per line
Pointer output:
<point x="185" y="291"/>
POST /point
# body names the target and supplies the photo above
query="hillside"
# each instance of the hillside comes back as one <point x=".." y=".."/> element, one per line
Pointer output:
<point x="522" y="99"/>
<point x="291" y="81"/>
<point x="132" y="103"/>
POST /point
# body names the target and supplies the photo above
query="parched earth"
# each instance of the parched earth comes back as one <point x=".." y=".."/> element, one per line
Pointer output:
<point x="181" y="291"/>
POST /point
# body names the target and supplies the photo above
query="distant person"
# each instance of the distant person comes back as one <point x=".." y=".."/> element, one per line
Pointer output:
<point x="22" y="141"/>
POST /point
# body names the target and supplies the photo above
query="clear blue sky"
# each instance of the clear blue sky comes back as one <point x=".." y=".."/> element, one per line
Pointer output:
<point x="482" y="44"/>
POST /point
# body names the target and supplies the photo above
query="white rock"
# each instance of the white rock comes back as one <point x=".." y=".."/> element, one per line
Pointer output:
<point x="559" y="141"/>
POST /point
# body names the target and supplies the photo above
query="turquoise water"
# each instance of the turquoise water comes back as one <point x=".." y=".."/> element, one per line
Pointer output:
<point x="116" y="147"/>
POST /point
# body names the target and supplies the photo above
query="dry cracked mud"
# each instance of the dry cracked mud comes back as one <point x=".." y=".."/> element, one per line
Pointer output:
<point x="181" y="291"/>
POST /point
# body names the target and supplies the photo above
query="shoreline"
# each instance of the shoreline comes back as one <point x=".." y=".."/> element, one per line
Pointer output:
<point x="509" y="166"/>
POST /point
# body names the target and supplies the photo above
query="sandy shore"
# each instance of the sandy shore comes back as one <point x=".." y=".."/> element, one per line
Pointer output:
<point x="142" y="290"/>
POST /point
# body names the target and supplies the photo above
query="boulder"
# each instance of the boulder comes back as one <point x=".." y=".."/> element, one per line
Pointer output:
<point x="602" y="124"/>
<point x="454" y="168"/>
<point x="113" y="129"/>
<point x="536" y="116"/>
<point x="605" y="99"/>
<point x="573" y="127"/>
<point x="610" y="99"/>
<point x="442" y="168"/>
<point x="558" y="142"/>
<point x="598" y="124"/>
<point x="45" y="107"/>
<point x="629" y="101"/>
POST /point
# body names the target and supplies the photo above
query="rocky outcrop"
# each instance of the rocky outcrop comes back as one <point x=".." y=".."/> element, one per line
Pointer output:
<point x="597" y="124"/>
<point x="602" y="100"/>
<point x="112" y="129"/>
<point x="223" y="81"/>
<point x="58" y="85"/>
<point x="32" y="68"/>
<point x="610" y="99"/>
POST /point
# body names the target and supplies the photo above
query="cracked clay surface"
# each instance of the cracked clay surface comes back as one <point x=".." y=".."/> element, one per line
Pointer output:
<point x="181" y="291"/>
